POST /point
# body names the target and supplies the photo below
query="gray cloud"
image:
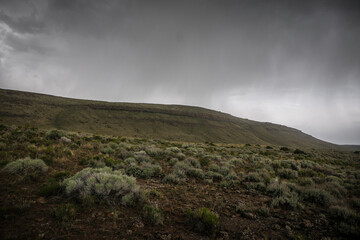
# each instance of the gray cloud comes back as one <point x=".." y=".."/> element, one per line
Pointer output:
<point x="290" y="62"/>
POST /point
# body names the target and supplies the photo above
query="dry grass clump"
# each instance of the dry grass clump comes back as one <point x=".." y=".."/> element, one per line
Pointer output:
<point x="153" y="214"/>
<point x="204" y="220"/>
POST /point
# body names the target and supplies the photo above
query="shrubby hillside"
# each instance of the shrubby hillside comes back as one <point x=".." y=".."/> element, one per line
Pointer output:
<point x="73" y="185"/>
<point x="154" y="121"/>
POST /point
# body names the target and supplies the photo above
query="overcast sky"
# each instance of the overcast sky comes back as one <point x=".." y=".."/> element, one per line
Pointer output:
<point x="295" y="63"/>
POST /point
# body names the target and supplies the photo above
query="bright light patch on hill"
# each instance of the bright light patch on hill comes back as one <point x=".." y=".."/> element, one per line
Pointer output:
<point x="288" y="62"/>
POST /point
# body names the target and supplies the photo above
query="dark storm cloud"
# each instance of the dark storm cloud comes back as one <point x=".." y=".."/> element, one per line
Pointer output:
<point x="290" y="62"/>
<point x="21" y="16"/>
<point x="23" y="25"/>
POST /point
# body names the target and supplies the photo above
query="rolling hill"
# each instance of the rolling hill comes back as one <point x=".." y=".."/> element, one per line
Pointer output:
<point x="155" y="121"/>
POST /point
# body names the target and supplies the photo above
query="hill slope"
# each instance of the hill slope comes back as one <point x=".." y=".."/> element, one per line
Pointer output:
<point x="170" y="122"/>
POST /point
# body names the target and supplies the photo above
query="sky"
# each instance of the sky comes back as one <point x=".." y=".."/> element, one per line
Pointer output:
<point x="290" y="62"/>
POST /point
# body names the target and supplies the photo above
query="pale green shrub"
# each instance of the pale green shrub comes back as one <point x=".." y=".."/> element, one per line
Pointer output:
<point x="193" y="162"/>
<point x="142" y="156"/>
<point x="54" y="134"/>
<point x="288" y="201"/>
<point x="106" y="149"/>
<point x="191" y="151"/>
<point x="306" y="172"/>
<point x="334" y="179"/>
<point x="224" y="170"/>
<point x="231" y="176"/>
<point x="277" y="189"/>
<point x="130" y="161"/>
<point x="172" y="178"/>
<point x="285" y="195"/>
<point x="171" y="150"/>
<point x="213" y="175"/>
<point x="306" y="182"/>
<point x="183" y="170"/>
<point x="316" y="196"/>
<point x="154" y="151"/>
<point x="188" y="168"/>
<point x="308" y="164"/>
<point x="101" y="182"/>
<point x="179" y="156"/>
<point x="237" y="162"/>
<point x="174" y="152"/>
<point x="335" y="189"/>
<point x="253" y="177"/>
<point x="144" y="170"/>
<point x="208" y="158"/>
<point x="289" y="164"/>
<point x="173" y="161"/>
<point x="125" y="145"/>
<point x="129" y="199"/>
<point x="26" y="165"/>
<point x="195" y="172"/>
<point x="214" y="167"/>
<point x="259" y="186"/>
<point x="230" y="180"/>
<point x="287" y="173"/>
<point x="151" y="170"/>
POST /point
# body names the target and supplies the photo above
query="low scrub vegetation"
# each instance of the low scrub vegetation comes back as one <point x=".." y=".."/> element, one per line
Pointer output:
<point x="204" y="220"/>
<point x="65" y="213"/>
<point x="101" y="183"/>
<point x="346" y="221"/>
<point x="153" y="215"/>
<point x="26" y="168"/>
<point x="235" y="191"/>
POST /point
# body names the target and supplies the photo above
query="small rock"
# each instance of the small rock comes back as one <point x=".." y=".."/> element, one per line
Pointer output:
<point x="65" y="140"/>
<point x="307" y="223"/>
<point x="41" y="200"/>
<point x="165" y="237"/>
<point x="249" y="215"/>
<point x="139" y="224"/>
<point x="223" y="236"/>
<point x="277" y="227"/>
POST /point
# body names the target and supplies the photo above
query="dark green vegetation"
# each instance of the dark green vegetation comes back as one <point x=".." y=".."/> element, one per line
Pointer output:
<point x="109" y="187"/>
<point x="154" y="121"/>
<point x="205" y="221"/>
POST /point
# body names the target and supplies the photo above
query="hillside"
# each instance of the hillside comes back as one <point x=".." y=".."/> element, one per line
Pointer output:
<point x="154" y="121"/>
